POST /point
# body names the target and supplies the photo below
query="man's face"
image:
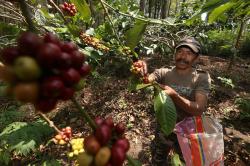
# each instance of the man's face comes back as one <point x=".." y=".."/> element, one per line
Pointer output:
<point x="184" y="58"/>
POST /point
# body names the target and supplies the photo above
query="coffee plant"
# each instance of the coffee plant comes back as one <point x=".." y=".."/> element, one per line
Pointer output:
<point x="244" y="105"/>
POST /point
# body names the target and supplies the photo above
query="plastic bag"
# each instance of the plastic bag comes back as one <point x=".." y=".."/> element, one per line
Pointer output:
<point x="201" y="141"/>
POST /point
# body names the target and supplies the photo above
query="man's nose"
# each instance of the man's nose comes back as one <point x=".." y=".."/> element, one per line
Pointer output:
<point x="183" y="54"/>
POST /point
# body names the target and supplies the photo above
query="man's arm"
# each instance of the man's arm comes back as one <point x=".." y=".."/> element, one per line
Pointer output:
<point x="194" y="108"/>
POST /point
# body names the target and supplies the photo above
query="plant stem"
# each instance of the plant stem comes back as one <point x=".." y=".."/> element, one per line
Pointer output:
<point x="59" y="10"/>
<point x="51" y="123"/>
<point x="85" y="114"/>
<point x="157" y="85"/>
<point x="237" y="44"/>
<point x="12" y="10"/>
<point x="11" y="17"/>
<point x="110" y="21"/>
<point x="27" y="15"/>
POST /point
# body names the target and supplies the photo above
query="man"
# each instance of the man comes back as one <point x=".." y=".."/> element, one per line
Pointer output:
<point x="188" y="88"/>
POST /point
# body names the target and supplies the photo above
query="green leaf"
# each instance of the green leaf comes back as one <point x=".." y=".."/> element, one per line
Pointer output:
<point x="248" y="13"/>
<point x="175" y="160"/>
<point x="46" y="14"/>
<point x="208" y="6"/>
<point x="219" y="11"/>
<point x="90" y="31"/>
<point x="9" y="29"/>
<point x="190" y="21"/>
<point x="74" y="29"/>
<point x="10" y="115"/>
<point x="93" y="55"/>
<point x="243" y="104"/>
<point x="133" y="162"/>
<point x="57" y="30"/>
<point x="108" y="28"/>
<point x="212" y="4"/>
<point x="141" y="86"/>
<point x="134" y="35"/>
<point x="133" y="82"/>
<point x="243" y="9"/>
<point x="165" y="112"/>
<point x="83" y="8"/>
<point x="40" y="17"/>
<point x="23" y="137"/>
<point x="4" y="156"/>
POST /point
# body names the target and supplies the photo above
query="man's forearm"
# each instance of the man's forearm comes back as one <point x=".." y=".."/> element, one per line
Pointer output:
<point x="188" y="106"/>
<point x="194" y="108"/>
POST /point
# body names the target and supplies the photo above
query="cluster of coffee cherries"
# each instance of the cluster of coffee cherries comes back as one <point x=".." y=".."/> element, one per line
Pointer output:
<point x="64" y="136"/>
<point x="68" y="9"/>
<point x="138" y="69"/>
<point x="107" y="146"/>
<point x="126" y="51"/>
<point x="93" y="42"/>
<point x="43" y="70"/>
<point x="77" y="147"/>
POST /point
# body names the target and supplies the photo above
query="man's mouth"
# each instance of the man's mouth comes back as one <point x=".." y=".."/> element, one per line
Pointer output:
<point x="181" y="61"/>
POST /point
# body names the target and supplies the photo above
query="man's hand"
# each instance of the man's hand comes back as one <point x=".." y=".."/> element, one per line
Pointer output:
<point x="170" y="91"/>
<point x="195" y="108"/>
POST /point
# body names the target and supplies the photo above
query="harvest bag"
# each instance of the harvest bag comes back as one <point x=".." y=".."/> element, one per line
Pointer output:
<point x="201" y="141"/>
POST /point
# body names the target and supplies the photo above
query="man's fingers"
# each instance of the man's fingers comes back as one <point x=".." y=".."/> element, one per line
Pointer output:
<point x="162" y="86"/>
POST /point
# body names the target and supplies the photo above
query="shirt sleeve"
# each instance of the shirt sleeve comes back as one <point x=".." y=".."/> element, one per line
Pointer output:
<point x="159" y="74"/>
<point x="203" y="84"/>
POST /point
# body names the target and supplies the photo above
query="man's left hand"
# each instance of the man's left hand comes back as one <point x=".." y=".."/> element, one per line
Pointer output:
<point x="170" y="91"/>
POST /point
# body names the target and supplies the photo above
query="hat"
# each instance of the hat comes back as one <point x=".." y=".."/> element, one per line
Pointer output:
<point x="191" y="42"/>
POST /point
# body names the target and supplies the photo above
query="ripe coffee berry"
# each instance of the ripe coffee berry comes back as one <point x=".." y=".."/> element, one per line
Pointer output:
<point x="68" y="9"/>
<point x="55" y="67"/>
<point x="107" y="146"/>
<point x="64" y="136"/>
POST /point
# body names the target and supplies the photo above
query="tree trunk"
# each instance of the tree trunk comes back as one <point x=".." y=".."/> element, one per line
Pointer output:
<point x="92" y="10"/>
<point x="157" y="8"/>
<point x="142" y="6"/>
<point x="168" y="7"/>
<point x="155" y="11"/>
<point x="237" y="44"/>
<point x="159" y="4"/>
<point x="164" y="9"/>
<point x="91" y="6"/>
<point x="176" y="6"/>
<point x="150" y="3"/>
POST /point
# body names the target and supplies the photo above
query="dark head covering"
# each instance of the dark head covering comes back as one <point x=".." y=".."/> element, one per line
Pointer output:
<point x="190" y="42"/>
